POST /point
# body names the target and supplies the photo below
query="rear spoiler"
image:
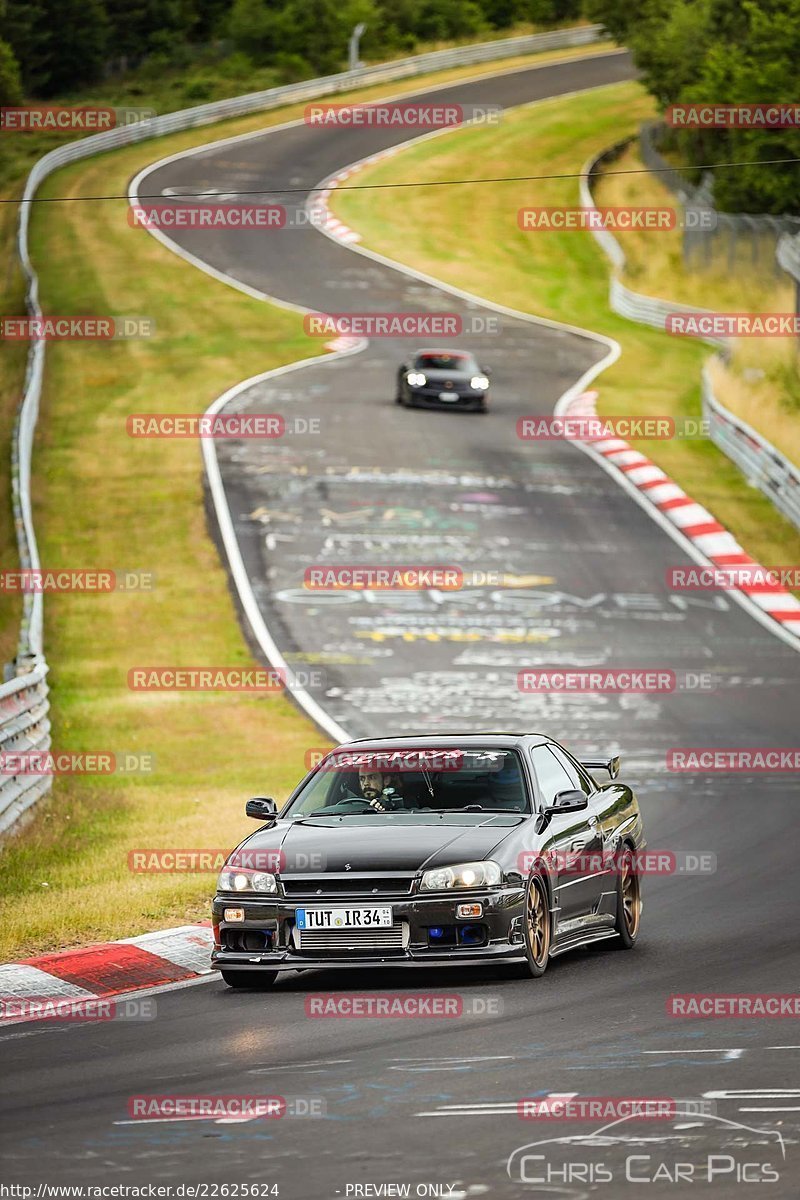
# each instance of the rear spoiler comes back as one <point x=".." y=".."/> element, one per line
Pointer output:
<point x="603" y="764"/>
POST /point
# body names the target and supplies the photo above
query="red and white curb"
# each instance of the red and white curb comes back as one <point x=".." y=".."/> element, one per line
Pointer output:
<point x="318" y="206"/>
<point x="692" y="520"/>
<point x="108" y="969"/>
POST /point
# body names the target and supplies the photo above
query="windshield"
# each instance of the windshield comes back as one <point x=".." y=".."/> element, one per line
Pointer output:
<point x="413" y="780"/>
<point x="433" y="361"/>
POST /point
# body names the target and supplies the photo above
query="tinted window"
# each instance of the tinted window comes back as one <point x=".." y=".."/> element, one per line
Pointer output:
<point x="445" y="362"/>
<point x="551" y="775"/>
<point x="579" y="778"/>
<point x="416" y="780"/>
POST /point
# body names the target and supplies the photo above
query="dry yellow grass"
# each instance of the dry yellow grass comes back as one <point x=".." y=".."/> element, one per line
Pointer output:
<point x="761" y="384"/>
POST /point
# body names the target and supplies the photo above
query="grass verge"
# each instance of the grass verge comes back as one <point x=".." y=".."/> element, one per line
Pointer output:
<point x="101" y="499"/>
<point x="471" y="239"/>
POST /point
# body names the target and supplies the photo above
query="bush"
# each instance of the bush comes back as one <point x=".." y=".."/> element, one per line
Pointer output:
<point x="10" y="84"/>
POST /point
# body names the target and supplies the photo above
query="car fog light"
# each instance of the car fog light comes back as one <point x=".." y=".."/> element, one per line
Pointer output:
<point x="233" y="914"/>
<point x="467" y="911"/>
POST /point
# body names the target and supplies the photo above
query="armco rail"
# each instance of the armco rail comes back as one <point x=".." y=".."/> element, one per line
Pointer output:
<point x="24" y="724"/>
<point x="765" y="467"/>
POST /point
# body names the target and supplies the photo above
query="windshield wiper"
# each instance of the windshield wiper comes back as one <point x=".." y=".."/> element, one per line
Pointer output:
<point x="480" y="808"/>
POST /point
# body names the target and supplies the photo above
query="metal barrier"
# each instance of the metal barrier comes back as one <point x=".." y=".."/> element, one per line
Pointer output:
<point x="24" y="727"/>
<point x="23" y="700"/>
<point x="765" y="467"/>
<point x="636" y="306"/>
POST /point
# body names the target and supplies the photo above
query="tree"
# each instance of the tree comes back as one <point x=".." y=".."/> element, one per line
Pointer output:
<point x="10" y="81"/>
<point x="721" y="52"/>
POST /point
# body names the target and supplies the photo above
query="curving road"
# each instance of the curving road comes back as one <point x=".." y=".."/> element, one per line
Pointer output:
<point x="433" y="1102"/>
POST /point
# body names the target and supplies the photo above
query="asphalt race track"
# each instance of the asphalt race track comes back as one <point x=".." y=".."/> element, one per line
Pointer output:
<point x="433" y="1102"/>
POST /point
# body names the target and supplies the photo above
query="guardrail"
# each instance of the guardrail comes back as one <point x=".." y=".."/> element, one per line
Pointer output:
<point x="764" y="466"/>
<point x="636" y="306"/>
<point x="24" y="726"/>
<point x="29" y="727"/>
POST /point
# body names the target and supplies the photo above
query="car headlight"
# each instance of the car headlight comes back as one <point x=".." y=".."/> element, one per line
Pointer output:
<point x="240" y="880"/>
<point x="416" y="378"/>
<point x="464" y="875"/>
<point x="479" y="383"/>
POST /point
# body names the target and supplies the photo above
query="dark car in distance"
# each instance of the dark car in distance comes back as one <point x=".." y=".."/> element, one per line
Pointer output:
<point x="443" y="379"/>
<point x="430" y="851"/>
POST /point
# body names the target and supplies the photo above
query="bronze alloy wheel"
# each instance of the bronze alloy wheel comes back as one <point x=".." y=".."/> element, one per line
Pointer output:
<point x="537" y="926"/>
<point x="629" y="908"/>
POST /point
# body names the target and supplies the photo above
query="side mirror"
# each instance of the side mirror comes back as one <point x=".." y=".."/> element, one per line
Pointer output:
<point x="486" y="370"/>
<point x="261" y="808"/>
<point x="572" y="800"/>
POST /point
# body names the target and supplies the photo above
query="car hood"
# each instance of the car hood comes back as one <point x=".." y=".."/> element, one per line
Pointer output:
<point x="390" y="843"/>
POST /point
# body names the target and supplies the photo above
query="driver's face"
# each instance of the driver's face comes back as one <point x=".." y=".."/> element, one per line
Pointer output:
<point x="371" y="784"/>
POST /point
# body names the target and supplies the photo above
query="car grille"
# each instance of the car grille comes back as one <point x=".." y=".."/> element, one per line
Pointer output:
<point x="346" y="941"/>
<point x="315" y="887"/>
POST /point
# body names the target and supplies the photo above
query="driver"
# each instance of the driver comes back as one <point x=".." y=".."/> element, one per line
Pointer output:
<point x="382" y="792"/>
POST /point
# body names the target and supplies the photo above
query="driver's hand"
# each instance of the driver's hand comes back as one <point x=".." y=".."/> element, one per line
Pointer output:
<point x="377" y="805"/>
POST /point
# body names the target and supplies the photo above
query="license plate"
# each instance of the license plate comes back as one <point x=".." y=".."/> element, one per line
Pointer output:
<point x="451" y="396"/>
<point x="343" y="918"/>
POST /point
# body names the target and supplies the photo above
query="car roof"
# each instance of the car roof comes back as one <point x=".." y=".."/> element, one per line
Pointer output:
<point x="446" y="350"/>
<point x="445" y="741"/>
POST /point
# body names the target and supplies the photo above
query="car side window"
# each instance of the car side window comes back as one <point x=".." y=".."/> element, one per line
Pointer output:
<point x="551" y="775"/>
<point x="578" y="776"/>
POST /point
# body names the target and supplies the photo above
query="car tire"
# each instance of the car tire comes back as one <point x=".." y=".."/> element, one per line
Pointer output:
<point x="537" y="928"/>
<point x="399" y="399"/>
<point x="629" y="900"/>
<point x="254" y="980"/>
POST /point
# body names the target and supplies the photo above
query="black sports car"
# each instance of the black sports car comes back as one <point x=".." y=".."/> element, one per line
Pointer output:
<point x="443" y="377"/>
<point x="427" y="851"/>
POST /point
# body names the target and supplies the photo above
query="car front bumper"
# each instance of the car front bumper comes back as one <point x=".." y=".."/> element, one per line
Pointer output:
<point x="458" y="398"/>
<point x="501" y="918"/>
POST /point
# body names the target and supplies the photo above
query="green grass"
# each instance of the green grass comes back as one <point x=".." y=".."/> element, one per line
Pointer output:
<point x="102" y="499"/>
<point x="467" y="235"/>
